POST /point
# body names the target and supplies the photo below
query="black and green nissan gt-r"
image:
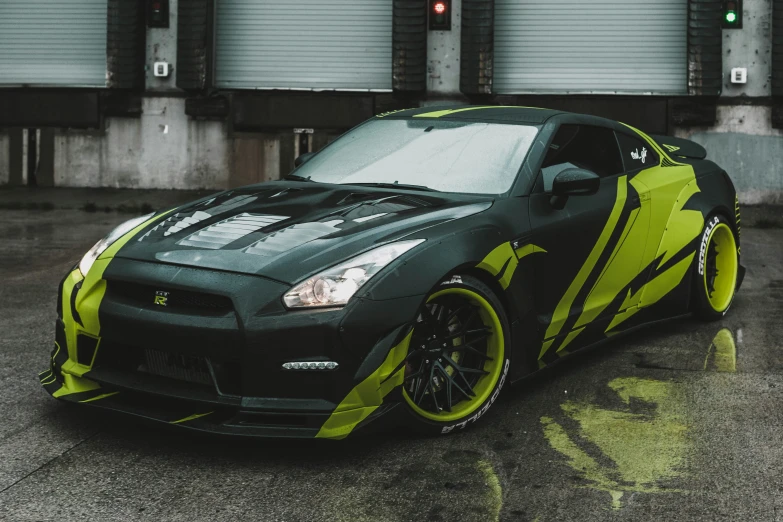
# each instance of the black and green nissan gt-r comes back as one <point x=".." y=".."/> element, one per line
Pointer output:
<point x="399" y="277"/>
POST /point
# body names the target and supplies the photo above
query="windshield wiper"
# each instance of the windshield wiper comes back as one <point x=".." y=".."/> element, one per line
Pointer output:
<point x="395" y="186"/>
<point x="294" y="177"/>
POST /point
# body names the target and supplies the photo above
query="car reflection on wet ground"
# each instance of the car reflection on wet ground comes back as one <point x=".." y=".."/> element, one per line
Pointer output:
<point x="679" y="421"/>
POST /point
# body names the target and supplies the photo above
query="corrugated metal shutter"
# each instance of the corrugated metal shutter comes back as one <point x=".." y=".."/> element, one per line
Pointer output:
<point x="627" y="46"/>
<point x="53" y="42"/>
<point x="304" y="44"/>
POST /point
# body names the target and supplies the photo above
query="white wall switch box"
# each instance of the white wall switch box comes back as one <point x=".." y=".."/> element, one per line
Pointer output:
<point x="161" y="69"/>
<point x="739" y="75"/>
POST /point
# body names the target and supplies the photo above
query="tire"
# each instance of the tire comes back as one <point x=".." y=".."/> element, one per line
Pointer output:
<point x="715" y="270"/>
<point x="458" y="356"/>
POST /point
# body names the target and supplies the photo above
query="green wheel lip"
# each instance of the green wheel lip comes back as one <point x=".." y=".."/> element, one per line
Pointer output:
<point x="487" y="383"/>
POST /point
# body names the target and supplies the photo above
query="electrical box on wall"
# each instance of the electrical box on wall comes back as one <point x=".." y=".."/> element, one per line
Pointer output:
<point x="161" y="69"/>
<point x="440" y="15"/>
<point x="158" y="13"/>
<point x="739" y="75"/>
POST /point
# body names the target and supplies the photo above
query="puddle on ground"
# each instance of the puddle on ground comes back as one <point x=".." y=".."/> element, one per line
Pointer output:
<point x="722" y="353"/>
<point x="640" y="447"/>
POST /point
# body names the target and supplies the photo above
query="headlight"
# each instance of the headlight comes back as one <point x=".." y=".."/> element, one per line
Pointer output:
<point x="335" y="286"/>
<point x="100" y="247"/>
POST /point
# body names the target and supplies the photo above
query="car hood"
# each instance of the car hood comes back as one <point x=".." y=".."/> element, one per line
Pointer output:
<point x="290" y="230"/>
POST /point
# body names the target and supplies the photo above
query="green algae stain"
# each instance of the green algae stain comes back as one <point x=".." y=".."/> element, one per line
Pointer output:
<point x="639" y="452"/>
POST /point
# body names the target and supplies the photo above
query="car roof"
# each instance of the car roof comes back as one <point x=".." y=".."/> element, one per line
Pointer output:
<point x="477" y="113"/>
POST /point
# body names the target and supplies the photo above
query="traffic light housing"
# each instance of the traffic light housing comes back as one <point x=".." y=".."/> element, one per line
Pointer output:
<point x="440" y="15"/>
<point x="732" y="14"/>
<point x="158" y="13"/>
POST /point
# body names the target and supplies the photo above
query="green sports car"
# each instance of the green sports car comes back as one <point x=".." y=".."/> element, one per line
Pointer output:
<point x="399" y="277"/>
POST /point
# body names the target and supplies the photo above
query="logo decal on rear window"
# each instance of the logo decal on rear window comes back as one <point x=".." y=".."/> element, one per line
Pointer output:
<point x="637" y="156"/>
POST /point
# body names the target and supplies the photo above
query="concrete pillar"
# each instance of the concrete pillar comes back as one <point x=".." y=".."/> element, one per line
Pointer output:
<point x="443" y="51"/>
<point x="16" y="157"/>
<point x="4" y="158"/>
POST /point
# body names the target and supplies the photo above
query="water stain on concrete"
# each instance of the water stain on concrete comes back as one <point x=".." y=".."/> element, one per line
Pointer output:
<point x="636" y="451"/>
<point x="722" y="353"/>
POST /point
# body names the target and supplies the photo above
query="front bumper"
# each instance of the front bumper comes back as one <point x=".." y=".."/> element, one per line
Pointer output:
<point x="238" y="330"/>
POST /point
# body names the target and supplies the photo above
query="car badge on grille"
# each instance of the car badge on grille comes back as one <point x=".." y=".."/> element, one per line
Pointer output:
<point x="161" y="298"/>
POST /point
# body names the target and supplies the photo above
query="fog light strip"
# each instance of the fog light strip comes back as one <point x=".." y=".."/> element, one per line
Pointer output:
<point x="310" y="365"/>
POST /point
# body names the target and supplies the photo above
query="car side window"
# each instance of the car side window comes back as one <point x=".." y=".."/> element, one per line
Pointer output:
<point x="637" y="153"/>
<point x="581" y="146"/>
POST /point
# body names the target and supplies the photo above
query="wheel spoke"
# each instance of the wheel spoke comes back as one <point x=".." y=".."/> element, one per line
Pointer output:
<point x="474" y="371"/>
<point x="453" y="314"/>
<point x="469" y="348"/>
<point x="432" y="389"/>
<point x="464" y="333"/>
<point x="453" y="383"/>
<point x="467" y="385"/>
<point x="418" y="388"/>
<point x="447" y="384"/>
<point x="458" y="370"/>
<point x="476" y="340"/>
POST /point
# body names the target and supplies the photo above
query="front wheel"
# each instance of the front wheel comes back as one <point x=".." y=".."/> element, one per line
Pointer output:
<point x="458" y="358"/>
<point x="715" y="278"/>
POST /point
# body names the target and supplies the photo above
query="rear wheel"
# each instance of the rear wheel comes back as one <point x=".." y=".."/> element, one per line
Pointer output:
<point x="715" y="280"/>
<point x="457" y="359"/>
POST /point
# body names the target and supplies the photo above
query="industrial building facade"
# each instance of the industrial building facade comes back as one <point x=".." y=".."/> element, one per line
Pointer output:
<point x="221" y="93"/>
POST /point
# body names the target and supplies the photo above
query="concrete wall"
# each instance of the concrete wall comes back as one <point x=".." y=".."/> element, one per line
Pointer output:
<point x="161" y="149"/>
<point x="5" y="159"/>
<point x="743" y="141"/>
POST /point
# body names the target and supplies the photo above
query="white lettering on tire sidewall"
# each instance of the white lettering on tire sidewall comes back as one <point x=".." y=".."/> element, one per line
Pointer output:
<point x="704" y="239"/>
<point x="476" y="416"/>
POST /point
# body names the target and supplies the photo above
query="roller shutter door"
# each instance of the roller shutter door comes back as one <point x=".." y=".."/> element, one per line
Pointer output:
<point x="607" y="46"/>
<point x="53" y="42"/>
<point x="304" y="44"/>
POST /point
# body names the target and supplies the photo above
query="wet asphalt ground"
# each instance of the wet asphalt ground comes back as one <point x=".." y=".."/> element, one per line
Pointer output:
<point x="663" y="425"/>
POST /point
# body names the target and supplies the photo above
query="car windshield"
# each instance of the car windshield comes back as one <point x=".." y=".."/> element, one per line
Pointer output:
<point x="449" y="156"/>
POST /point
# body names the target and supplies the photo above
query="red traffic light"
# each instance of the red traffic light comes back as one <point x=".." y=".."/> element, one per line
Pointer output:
<point x="440" y="15"/>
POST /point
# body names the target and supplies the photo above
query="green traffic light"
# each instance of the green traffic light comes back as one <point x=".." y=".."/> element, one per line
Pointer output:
<point x="731" y="17"/>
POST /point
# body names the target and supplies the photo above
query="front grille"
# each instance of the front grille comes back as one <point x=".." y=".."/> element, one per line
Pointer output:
<point x="176" y="366"/>
<point x="193" y="369"/>
<point x="175" y="300"/>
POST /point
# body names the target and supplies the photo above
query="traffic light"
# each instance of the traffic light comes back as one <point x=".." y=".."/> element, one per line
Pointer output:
<point x="732" y="14"/>
<point x="158" y="13"/>
<point x="440" y="15"/>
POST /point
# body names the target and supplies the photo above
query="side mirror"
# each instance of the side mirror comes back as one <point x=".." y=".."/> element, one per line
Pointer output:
<point x="303" y="158"/>
<point x="573" y="182"/>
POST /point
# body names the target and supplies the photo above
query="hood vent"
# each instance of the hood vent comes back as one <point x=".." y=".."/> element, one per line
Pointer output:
<point x="221" y="234"/>
<point x="291" y="237"/>
<point x="183" y="220"/>
<point x="355" y="197"/>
